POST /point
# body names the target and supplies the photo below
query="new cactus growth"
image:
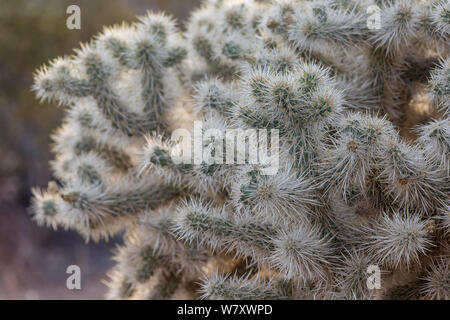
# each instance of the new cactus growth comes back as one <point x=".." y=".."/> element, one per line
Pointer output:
<point x="362" y="170"/>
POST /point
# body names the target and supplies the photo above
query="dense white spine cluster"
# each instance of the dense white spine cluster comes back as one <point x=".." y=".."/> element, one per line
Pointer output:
<point x="359" y="182"/>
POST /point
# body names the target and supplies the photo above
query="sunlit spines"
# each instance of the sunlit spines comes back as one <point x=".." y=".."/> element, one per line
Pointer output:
<point x="436" y="283"/>
<point x="156" y="228"/>
<point x="399" y="241"/>
<point x="120" y="287"/>
<point x="212" y="172"/>
<point x="202" y="223"/>
<point x="150" y="246"/>
<point x="109" y="102"/>
<point x="159" y="157"/>
<point x="407" y="178"/>
<point x="46" y="205"/>
<point x="444" y="218"/>
<point x="214" y="94"/>
<point x="71" y="143"/>
<point x="317" y="26"/>
<point x="156" y="48"/>
<point x="151" y="48"/>
<point x="299" y="98"/>
<point x="287" y="194"/>
<point x="235" y="16"/>
<point x="351" y="276"/>
<point x="278" y="18"/>
<point x="242" y="288"/>
<point x="400" y="24"/>
<point x="440" y="86"/>
<point x="56" y="82"/>
<point x="115" y="43"/>
<point x="278" y="56"/>
<point x="98" y="211"/>
<point x="351" y="216"/>
<point x="201" y="22"/>
<point x="297" y="251"/>
<point x="197" y="162"/>
<point x="160" y="25"/>
<point x="350" y="161"/>
<point x="140" y="263"/>
<point x="51" y="208"/>
<point x="439" y="20"/>
<point x="209" y="35"/>
<point x="302" y="253"/>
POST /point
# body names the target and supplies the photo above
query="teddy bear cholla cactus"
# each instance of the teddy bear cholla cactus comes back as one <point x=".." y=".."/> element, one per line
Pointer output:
<point x="350" y="191"/>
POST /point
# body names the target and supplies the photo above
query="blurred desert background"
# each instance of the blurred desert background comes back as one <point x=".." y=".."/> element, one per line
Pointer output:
<point x="33" y="259"/>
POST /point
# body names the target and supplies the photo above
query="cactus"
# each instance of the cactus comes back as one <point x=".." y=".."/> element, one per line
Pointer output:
<point x="361" y="180"/>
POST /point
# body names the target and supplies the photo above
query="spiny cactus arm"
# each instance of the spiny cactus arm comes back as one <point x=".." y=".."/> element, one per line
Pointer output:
<point x="398" y="240"/>
<point x="400" y="24"/>
<point x="138" y="273"/>
<point x="163" y="158"/>
<point x="408" y="179"/>
<point x="153" y="259"/>
<point x="154" y="48"/>
<point x="140" y="262"/>
<point x="285" y="195"/>
<point x="72" y="144"/>
<point x="55" y="81"/>
<point x="275" y="55"/>
<point x="219" y="34"/>
<point x="114" y="156"/>
<point x="214" y="94"/>
<point x="98" y="210"/>
<point x="227" y="287"/>
<point x="349" y="162"/>
<point x="174" y="162"/>
<point x="301" y="252"/>
<point x="201" y="223"/>
<point x="436" y="21"/>
<point x="350" y="281"/>
<point x="96" y="71"/>
<point x="277" y="18"/>
<point x="444" y="218"/>
<point x="146" y="265"/>
<point x="315" y="27"/>
<point x="303" y="96"/>
<point x="434" y="138"/>
<point x="120" y="287"/>
<point x="46" y="205"/>
<point x="58" y="84"/>
<point x="164" y="286"/>
<point x="49" y="208"/>
<point x="125" y="198"/>
<point x="156" y="228"/>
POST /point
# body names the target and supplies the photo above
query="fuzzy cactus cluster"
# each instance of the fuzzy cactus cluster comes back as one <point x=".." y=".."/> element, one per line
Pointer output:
<point x="359" y="116"/>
